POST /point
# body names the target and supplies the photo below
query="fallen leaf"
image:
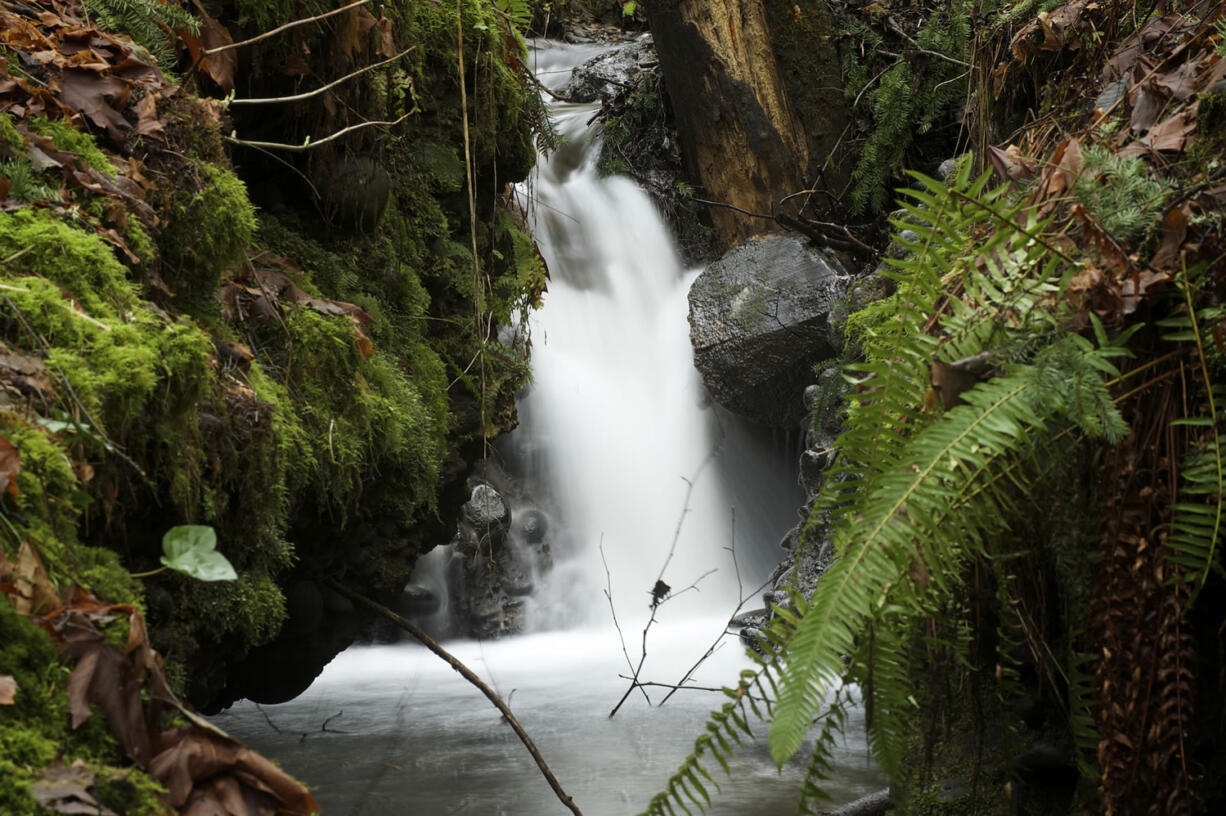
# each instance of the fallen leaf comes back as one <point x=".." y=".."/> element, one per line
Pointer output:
<point x="1180" y="83"/>
<point x="8" y="689"/>
<point x="104" y="678"/>
<point x="147" y="121"/>
<point x="66" y="790"/>
<point x="1135" y="287"/>
<point x="1146" y="105"/>
<point x="93" y="97"/>
<point x="1168" y="136"/>
<point x="10" y="466"/>
<point x="386" y="43"/>
<point x="191" y="756"/>
<point x="1010" y="164"/>
<point x="365" y="347"/>
<point x="1174" y="233"/>
<point x="220" y="67"/>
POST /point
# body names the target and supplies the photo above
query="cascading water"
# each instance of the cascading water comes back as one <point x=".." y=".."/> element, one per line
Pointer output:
<point x="640" y="468"/>
<point x="617" y="425"/>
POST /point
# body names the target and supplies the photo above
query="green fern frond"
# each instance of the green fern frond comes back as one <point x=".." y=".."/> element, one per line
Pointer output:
<point x="1196" y="527"/>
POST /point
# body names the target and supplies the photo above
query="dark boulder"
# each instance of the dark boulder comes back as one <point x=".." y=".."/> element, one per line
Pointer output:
<point x="760" y="320"/>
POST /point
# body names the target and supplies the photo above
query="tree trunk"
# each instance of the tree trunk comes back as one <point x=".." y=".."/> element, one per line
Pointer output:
<point x="743" y="140"/>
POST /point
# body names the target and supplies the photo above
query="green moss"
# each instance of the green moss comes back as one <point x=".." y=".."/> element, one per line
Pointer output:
<point x="65" y="137"/>
<point x="10" y="139"/>
<point x="208" y="230"/>
<point x="130" y="792"/>
<point x="242" y="613"/>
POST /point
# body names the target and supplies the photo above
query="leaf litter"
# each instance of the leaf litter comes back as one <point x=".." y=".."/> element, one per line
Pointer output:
<point x="204" y="770"/>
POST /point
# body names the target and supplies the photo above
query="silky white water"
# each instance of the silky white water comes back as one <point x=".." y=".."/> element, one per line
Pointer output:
<point x="639" y="467"/>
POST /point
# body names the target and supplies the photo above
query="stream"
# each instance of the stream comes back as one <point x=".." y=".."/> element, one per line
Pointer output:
<point x="651" y="482"/>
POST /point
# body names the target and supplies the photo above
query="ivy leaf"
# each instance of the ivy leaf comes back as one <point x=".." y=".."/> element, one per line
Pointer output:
<point x="192" y="550"/>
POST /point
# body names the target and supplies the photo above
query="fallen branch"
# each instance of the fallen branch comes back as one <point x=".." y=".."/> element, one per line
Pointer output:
<point x="467" y="673"/>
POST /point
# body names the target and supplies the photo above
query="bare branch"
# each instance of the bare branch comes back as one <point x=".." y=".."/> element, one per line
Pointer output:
<point x="309" y="145"/>
<point x="208" y="52"/>
<point x="468" y="674"/>
<point x="608" y="593"/>
<point x="272" y="100"/>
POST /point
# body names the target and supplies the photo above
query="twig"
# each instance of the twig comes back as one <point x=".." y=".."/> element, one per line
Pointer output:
<point x="208" y="52"/>
<point x="467" y="673"/>
<point x="741" y="599"/>
<point x="309" y="145"/>
<point x="271" y="100"/>
<point x="608" y="593"/>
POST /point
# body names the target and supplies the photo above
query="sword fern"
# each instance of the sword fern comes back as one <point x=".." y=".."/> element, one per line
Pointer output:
<point x="917" y="492"/>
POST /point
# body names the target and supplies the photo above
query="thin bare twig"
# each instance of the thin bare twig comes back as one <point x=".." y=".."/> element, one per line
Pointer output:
<point x="208" y="52"/>
<point x="272" y="100"/>
<point x="608" y="593"/>
<point x="309" y="145"/>
<point x="468" y="674"/>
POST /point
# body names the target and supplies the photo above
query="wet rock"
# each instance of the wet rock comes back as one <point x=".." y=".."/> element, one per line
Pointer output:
<point x="759" y="321"/>
<point x="603" y="76"/>
<point x="535" y="525"/>
<point x="417" y="600"/>
<point x="875" y="804"/>
<point x="487" y="514"/>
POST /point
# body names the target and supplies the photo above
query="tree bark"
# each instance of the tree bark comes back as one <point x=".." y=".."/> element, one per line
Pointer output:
<point x="740" y="132"/>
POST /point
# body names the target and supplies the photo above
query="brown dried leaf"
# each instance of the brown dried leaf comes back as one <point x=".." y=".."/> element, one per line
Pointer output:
<point x="147" y="123"/>
<point x="1180" y="83"/>
<point x="66" y="790"/>
<point x="104" y="678"/>
<point x="1010" y="164"/>
<point x="1146" y="105"/>
<point x="97" y="98"/>
<point x="8" y="689"/>
<point x="1168" y="136"/>
<point x="1174" y="233"/>
<point x="1136" y="286"/>
<point x="365" y="347"/>
<point x="219" y="67"/>
<point x="191" y="756"/>
<point x="386" y="42"/>
<point x="951" y="380"/>
<point x="10" y="466"/>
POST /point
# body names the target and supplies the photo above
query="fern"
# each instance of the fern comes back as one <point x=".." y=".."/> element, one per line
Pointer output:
<point x="1198" y="513"/>
<point x="917" y="494"/>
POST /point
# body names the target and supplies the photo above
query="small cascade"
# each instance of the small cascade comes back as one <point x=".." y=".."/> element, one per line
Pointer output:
<point x="619" y="451"/>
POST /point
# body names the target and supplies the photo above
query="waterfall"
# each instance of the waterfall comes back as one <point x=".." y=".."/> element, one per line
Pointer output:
<point x="613" y="426"/>
<point x="617" y="427"/>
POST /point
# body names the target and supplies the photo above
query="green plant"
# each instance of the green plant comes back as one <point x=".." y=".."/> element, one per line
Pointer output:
<point x="1120" y="193"/>
<point x="920" y="497"/>
<point x="192" y="550"/>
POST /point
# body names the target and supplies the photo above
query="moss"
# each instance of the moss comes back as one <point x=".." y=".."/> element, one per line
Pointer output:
<point x="65" y="137"/>
<point x="131" y="792"/>
<point x="10" y="139"/>
<point x="208" y="230"/>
